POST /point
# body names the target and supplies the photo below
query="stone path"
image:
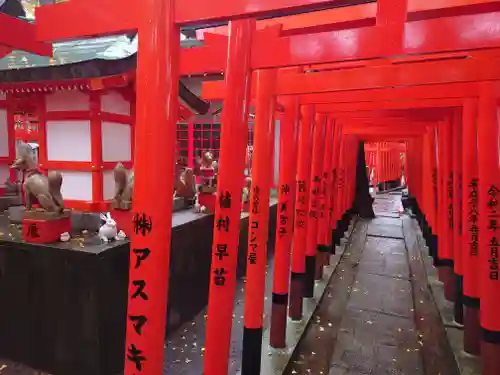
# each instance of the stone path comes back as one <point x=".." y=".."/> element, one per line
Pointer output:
<point x="372" y="320"/>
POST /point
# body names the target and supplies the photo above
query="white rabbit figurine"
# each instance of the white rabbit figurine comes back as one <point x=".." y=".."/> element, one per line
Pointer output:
<point x="109" y="230"/>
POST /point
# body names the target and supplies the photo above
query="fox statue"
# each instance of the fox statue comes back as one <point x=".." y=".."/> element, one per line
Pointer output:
<point x="184" y="184"/>
<point x="38" y="188"/>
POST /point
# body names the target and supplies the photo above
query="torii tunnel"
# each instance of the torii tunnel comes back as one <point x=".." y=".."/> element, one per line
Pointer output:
<point x="408" y="89"/>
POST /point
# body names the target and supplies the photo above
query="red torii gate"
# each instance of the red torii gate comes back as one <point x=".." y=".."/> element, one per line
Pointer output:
<point x="159" y="64"/>
<point x="18" y="34"/>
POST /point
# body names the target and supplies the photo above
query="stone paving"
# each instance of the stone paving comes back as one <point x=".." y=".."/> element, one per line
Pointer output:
<point x="370" y="322"/>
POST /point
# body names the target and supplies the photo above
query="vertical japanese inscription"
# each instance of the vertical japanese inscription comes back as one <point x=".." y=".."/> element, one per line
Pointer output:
<point x="322" y="197"/>
<point x="143" y="225"/>
<point x="449" y="186"/>
<point x="334" y="182"/>
<point x="283" y="210"/>
<point x="253" y="245"/>
<point x="300" y="213"/>
<point x="315" y="197"/>
<point x="492" y="228"/>
<point x="33" y="231"/>
<point x="222" y="249"/>
<point x="473" y="218"/>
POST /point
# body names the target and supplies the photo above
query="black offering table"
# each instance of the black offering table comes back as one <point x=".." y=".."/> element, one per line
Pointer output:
<point x="64" y="305"/>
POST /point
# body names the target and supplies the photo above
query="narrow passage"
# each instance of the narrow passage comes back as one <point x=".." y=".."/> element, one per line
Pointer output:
<point x="377" y="316"/>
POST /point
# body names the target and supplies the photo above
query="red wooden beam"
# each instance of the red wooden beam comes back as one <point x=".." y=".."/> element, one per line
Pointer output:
<point x="455" y="90"/>
<point x="201" y="11"/>
<point x="443" y="35"/>
<point x="325" y="20"/>
<point x="429" y="73"/>
<point x="370" y="78"/>
<point x="378" y="105"/>
<point x="215" y="91"/>
<point x="364" y="15"/>
<point x="19" y="34"/>
<point x="79" y="18"/>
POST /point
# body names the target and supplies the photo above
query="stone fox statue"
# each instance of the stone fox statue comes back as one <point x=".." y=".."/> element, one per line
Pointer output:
<point x="124" y="184"/>
<point x="46" y="190"/>
<point x="184" y="184"/>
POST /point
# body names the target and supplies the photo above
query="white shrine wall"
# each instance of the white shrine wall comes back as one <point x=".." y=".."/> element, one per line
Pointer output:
<point x="4" y="146"/>
<point x="86" y="134"/>
<point x="7" y="143"/>
<point x="117" y="137"/>
<point x="68" y="141"/>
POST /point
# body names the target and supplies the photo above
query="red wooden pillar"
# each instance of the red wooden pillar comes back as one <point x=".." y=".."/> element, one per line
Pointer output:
<point x="334" y="186"/>
<point x="340" y="187"/>
<point x="489" y="220"/>
<point x="445" y="254"/>
<point x="470" y="246"/>
<point x="426" y="177"/>
<point x="457" y="215"/>
<point x="314" y="202"/>
<point x="284" y="222"/>
<point x="157" y="87"/>
<point x="301" y="212"/>
<point x="324" y="235"/>
<point x="264" y="130"/>
<point x="234" y="137"/>
<point x="434" y="166"/>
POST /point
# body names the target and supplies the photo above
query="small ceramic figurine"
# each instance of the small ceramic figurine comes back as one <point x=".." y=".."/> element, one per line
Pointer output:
<point x="121" y="236"/>
<point x="109" y="230"/>
<point x="246" y="190"/>
<point x="65" y="237"/>
<point x="207" y="170"/>
<point x="46" y="190"/>
<point x="249" y="160"/>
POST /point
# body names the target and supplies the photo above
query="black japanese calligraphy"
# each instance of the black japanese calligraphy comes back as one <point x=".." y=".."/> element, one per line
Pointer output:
<point x="493" y="240"/>
<point x="473" y="218"/>
<point x="282" y="231"/>
<point x="141" y="255"/>
<point x="255" y="199"/>
<point x="493" y="261"/>
<point x="301" y="186"/>
<point x="33" y="231"/>
<point x="450" y="204"/>
<point x="137" y="356"/>
<point x="223" y="224"/>
<point x="140" y="287"/>
<point x="138" y="321"/>
<point x="252" y="258"/>
<point x="255" y="224"/>
<point x="285" y="189"/>
<point x="220" y="276"/>
<point x="221" y="251"/>
<point x="225" y="200"/>
<point x="143" y="224"/>
<point x="283" y="219"/>
<point x="493" y="224"/>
